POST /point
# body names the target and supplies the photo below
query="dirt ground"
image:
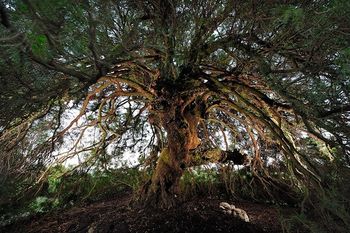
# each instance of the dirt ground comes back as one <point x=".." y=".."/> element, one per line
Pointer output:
<point x="200" y="215"/>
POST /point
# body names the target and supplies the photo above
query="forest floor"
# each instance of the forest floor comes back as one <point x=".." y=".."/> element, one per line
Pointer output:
<point x="201" y="214"/>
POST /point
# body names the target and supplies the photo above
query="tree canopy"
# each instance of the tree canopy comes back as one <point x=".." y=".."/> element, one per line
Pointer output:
<point x="183" y="82"/>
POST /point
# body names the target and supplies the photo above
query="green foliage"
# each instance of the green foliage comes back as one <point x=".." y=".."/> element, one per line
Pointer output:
<point x="39" y="45"/>
<point x="11" y="208"/>
<point x="77" y="186"/>
<point x="275" y="61"/>
<point x="63" y="189"/>
<point x="42" y="204"/>
<point x="326" y="211"/>
<point x="239" y="184"/>
<point x="343" y="61"/>
<point x="329" y="214"/>
<point x="292" y="16"/>
<point x="199" y="181"/>
<point x="55" y="178"/>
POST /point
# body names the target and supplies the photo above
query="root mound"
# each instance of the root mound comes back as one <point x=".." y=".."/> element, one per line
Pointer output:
<point x="200" y="215"/>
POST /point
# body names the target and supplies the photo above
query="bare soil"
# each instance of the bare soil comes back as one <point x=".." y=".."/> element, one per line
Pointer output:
<point x="200" y="215"/>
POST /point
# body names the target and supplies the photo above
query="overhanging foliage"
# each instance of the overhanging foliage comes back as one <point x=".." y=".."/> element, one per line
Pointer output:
<point x="266" y="78"/>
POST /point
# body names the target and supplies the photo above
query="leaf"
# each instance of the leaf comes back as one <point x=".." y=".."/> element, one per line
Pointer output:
<point x="290" y="15"/>
<point x="39" y="45"/>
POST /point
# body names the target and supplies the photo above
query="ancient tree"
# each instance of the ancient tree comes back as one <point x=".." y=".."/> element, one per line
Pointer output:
<point x="200" y="81"/>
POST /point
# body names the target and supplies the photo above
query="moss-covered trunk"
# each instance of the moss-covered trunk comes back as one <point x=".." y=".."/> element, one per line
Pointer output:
<point x="180" y="123"/>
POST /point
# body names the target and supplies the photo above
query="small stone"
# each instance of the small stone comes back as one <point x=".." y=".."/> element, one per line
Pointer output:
<point x="241" y="214"/>
<point x="225" y="205"/>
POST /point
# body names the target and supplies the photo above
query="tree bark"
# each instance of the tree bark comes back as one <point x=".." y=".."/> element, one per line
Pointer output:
<point x="179" y="119"/>
<point x="180" y="123"/>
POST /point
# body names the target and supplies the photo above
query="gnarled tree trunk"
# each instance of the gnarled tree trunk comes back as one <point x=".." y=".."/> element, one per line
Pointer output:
<point x="179" y="118"/>
<point x="180" y="124"/>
